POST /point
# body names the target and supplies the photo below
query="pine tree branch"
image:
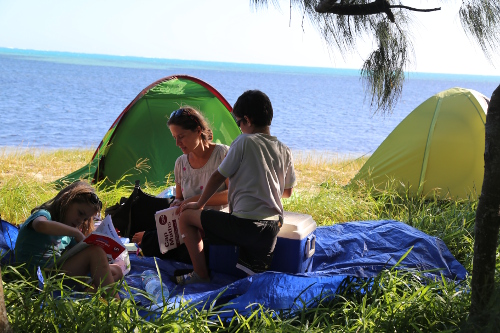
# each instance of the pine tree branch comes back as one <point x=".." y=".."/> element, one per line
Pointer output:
<point x="416" y="9"/>
<point x="376" y="7"/>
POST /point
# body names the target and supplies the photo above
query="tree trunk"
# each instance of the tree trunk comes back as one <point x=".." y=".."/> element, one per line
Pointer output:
<point x="487" y="218"/>
<point x="4" y="320"/>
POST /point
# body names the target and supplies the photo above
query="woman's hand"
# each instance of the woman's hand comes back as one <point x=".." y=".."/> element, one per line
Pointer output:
<point x="176" y="202"/>
<point x="190" y="205"/>
<point x="137" y="237"/>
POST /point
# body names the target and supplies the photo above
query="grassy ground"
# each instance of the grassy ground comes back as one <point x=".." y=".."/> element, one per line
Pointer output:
<point x="396" y="301"/>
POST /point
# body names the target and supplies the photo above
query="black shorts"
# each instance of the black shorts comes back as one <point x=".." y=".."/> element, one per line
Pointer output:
<point x="256" y="239"/>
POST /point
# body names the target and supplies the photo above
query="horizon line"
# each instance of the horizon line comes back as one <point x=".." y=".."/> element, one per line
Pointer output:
<point x="152" y="60"/>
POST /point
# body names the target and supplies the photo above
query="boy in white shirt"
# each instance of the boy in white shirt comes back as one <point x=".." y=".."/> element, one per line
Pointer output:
<point x="260" y="171"/>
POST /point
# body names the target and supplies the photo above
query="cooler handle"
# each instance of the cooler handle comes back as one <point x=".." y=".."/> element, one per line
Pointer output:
<point x="310" y="246"/>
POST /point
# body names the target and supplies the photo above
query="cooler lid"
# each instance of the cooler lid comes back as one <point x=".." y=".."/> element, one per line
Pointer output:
<point x="296" y="225"/>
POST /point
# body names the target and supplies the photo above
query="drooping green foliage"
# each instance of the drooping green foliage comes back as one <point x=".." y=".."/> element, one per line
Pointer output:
<point x="383" y="71"/>
<point x="481" y="21"/>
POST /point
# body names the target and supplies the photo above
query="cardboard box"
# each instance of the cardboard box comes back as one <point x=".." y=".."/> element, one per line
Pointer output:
<point x="293" y="253"/>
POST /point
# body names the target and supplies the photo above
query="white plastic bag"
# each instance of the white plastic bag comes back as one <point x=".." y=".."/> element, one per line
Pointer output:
<point x="123" y="260"/>
<point x="167" y="193"/>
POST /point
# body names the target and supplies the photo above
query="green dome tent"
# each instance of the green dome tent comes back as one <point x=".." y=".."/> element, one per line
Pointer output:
<point x="438" y="146"/>
<point x="139" y="145"/>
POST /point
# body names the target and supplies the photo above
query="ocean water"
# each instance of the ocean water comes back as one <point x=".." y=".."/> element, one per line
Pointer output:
<point x="56" y="100"/>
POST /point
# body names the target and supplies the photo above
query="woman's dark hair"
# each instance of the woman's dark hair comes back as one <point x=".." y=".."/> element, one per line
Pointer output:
<point x="256" y="106"/>
<point x="78" y="192"/>
<point x="189" y="118"/>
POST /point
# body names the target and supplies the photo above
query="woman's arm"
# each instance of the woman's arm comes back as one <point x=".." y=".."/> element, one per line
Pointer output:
<point x="44" y="226"/>
<point x="213" y="184"/>
<point x="287" y="193"/>
<point x="218" y="199"/>
<point x="178" y="192"/>
<point x="178" y="196"/>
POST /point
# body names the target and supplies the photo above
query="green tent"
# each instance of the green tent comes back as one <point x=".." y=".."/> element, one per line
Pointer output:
<point x="438" y="147"/>
<point x="139" y="145"/>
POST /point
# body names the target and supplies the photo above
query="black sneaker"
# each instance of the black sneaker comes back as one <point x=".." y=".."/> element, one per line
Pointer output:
<point x="189" y="278"/>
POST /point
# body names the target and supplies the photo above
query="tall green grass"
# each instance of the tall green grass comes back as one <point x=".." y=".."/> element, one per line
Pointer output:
<point x="395" y="300"/>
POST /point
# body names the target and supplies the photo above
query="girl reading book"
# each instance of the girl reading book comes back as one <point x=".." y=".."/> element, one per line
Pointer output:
<point x="54" y="225"/>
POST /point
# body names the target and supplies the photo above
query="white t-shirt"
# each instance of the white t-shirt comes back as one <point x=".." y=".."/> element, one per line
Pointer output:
<point x="259" y="168"/>
<point x="192" y="181"/>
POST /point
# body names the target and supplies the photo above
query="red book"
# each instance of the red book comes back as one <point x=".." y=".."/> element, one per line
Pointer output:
<point x="104" y="236"/>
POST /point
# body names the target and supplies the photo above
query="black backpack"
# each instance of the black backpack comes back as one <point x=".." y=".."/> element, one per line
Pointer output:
<point x="137" y="212"/>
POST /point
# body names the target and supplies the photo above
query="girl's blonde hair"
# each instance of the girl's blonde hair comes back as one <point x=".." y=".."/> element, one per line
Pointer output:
<point x="189" y="118"/>
<point x="78" y="192"/>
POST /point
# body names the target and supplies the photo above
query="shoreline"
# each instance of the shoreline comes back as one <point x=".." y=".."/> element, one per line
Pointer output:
<point x="6" y="150"/>
<point x="142" y="62"/>
<point x="298" y="155"/>
<point x="325" y="155"/>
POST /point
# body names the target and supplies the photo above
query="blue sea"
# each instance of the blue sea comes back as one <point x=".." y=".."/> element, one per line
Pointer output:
<point x="55" y="100"/>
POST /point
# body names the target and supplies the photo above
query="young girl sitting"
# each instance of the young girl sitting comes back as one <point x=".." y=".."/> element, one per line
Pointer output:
<point x="58" y="222"/>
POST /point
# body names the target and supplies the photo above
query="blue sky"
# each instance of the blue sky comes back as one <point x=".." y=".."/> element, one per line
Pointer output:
<point x="219" y="30"/>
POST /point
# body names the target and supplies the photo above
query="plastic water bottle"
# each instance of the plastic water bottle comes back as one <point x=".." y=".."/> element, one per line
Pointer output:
<point x="152" y="285"/>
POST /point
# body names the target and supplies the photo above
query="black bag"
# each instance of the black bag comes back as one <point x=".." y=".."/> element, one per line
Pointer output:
<point x="137" y="212"/>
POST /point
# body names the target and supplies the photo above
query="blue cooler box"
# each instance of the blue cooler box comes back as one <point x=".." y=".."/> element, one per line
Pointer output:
<point x="293" y="253"/>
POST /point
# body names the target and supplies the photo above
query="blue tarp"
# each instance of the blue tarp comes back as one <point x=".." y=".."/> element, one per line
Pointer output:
<point x="8" y="237"/>
<point x="353" y="249"/>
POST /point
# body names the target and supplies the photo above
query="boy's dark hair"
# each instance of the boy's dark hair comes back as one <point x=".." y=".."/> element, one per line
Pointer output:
<point x="256" y="106"/>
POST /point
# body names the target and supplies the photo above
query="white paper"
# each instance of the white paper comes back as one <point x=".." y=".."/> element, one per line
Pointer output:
<point x="107" y="228"/>
<point x="169" y="235"/>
